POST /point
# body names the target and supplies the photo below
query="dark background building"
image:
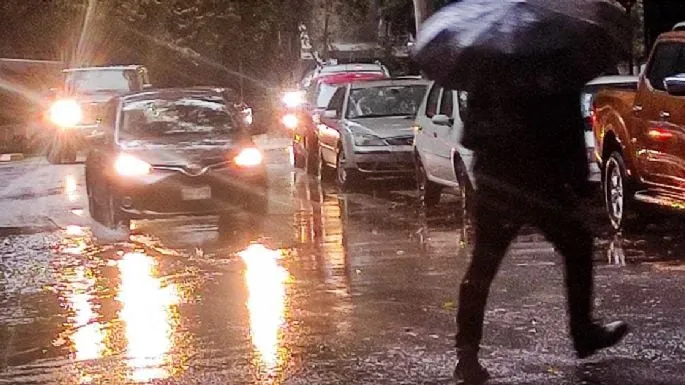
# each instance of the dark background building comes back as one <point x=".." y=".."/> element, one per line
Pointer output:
<point x="661" y="16"/>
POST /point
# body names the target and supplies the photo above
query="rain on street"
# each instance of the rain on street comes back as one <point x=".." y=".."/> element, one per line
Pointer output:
<point x="327" y="288"/>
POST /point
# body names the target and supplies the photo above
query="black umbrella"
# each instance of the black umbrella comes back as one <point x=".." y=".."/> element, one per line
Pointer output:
<point x="546" y="45"/>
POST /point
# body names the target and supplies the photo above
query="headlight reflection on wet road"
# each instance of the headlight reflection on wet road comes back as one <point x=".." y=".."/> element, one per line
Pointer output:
<point x="88" y="339"/>
<point x="149" y="316"/>
<point x="266" y="280"/>
<point x="71" y="188"/>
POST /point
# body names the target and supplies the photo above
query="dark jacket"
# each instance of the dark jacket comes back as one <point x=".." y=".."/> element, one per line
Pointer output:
<point x="539" y="136"/>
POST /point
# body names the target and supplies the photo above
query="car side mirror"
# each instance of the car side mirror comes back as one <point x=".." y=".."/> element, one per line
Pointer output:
<point x="442" y="120"/>
<point x="675" y="85"/>
<point x="330" y="114"/>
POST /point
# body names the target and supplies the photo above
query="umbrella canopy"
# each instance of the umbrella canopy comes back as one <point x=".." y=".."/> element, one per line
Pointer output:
<point x="546" y="45"/>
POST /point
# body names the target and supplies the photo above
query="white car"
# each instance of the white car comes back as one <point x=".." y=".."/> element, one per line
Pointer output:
<point x="441" y="161"/>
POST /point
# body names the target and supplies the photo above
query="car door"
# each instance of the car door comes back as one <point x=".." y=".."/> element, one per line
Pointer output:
<point x="426" y="132"/>
<point x="328" y="130"/>
<point x="658" y="130"/>
<point x="444" y="142"/>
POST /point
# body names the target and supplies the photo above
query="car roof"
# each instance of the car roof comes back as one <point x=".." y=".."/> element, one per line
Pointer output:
<point x="169" y="93"/>
<point x="104" y="68"/>
<point x="614" y="79"/>
<point x="347" y="77"/>
<point x="351" y="67"/>
<point x="390" y="83"/>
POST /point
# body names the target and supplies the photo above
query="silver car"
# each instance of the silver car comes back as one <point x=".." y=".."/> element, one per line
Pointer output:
<point x="367" y="130"/>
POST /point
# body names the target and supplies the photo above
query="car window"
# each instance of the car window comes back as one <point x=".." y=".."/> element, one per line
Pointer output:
<point x="668" y="60"/>
<point x="463" y="97"/>
<point x="337" y="101"/>
<point x="446" y="103"/>
<point x="181" y="119"/>
<point x="324" y="95"/>
<point x="104" y="80"/>
<point x="432" y="101"/>
<point x="385" y="100"/>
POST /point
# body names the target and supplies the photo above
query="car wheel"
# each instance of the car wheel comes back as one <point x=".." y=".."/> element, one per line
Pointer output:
<point x="115" y="219"/>
<point x="347" y="178"/>
<point x="466" y="192"/>
<point x="55" y="154"/>
<point x="429" y="192"/>
<point x="299" y="159"/>
<point x="618" y="195"/>
<point x="313" y="157"/>
<point x="323" y="172"/>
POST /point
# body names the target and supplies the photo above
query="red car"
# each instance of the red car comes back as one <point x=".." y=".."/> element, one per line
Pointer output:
<point x="304" y="109"/>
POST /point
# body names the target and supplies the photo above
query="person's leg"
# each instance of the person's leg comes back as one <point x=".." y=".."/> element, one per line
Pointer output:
<point x="574" y="240"/>
<point x="493" y="236"/>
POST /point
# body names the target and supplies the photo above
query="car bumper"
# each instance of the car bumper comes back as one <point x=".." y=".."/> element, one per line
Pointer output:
<point x="172" y="193"/>
<point x="384" y="162"/>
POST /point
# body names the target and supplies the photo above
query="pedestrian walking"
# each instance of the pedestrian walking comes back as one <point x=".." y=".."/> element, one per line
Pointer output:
<point x="524" y="63"/>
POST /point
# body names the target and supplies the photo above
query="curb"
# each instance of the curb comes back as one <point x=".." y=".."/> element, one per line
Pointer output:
<point x="11" y="157"/>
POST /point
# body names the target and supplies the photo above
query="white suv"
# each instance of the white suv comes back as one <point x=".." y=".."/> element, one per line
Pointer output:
<point x="441" y="161"/>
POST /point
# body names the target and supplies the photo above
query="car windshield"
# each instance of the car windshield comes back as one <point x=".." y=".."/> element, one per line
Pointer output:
<point x="370" y="102"/>
<point x="325" y="94"/>
<point x="176" y="120"/>
<point x="100" y="80"/>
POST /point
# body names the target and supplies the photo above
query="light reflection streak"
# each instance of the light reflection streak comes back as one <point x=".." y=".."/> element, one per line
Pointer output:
<point x="149" y="317"/>
<point x="88" y="339"/>
<point x="71" y="188"/>
<point x="266" y="280"/>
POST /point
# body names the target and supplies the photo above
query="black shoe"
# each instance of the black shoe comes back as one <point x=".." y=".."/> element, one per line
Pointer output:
<point x="599" y="337"/>
<point x="470" y="372"/>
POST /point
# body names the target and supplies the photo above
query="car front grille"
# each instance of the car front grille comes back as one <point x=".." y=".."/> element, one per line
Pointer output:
<point x="401" y="141"/>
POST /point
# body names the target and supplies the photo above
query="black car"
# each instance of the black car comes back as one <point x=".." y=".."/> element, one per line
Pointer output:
<point x="173" y="152"/>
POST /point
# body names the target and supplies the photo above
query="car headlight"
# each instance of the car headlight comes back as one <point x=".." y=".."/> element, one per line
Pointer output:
<point x="129" y="165"/>
<point x="249" y="157"/>
<point x="367" y="140"/>
<point x="290" y="121"/>
<point x="65" y="113"/>
<point x="293" y="99"/>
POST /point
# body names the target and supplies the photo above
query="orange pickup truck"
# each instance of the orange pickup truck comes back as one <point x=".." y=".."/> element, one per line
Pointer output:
<point x="640" y="138"/>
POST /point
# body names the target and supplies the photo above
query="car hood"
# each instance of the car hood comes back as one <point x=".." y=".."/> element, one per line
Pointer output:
<point x="385" y="127"/>
<point x="187" y="155"/>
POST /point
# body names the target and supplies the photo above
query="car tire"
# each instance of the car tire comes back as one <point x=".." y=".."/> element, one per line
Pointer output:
<point x="618" y="195"/>
<point x="299" y="159"/>
<point x="55" y="154"/>
<point x="429" y="192"/>
<point x="115" y="219"/>
<point x="323" y="171"/>
<point x="346" y="178"/>
<point x="313" y="157"/>
<point x="466" y="191"/>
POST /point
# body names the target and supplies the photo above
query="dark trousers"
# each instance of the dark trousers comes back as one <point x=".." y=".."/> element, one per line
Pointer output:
<point x="516" y="188"/>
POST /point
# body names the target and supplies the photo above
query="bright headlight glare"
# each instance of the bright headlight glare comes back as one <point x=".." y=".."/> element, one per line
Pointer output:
<point x="290" y="121"/>
<point x="65" y="113"/>
<point x="367" y="140"/>
<point x="249" y="157"/>
<point x="293" y="99"/>
<point x="129" y="165"/>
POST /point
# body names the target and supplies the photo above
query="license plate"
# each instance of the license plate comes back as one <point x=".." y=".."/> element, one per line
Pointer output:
<point x="196" y="193"/>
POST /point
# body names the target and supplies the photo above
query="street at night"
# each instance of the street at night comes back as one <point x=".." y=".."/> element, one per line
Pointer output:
<point x="325" y="288"/>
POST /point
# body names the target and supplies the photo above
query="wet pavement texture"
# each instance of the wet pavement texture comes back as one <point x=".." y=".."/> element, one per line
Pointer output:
<point x="328" y="288"/>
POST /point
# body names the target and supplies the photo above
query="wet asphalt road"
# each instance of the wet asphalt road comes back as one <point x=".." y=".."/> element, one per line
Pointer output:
<point x="330" y="288"/>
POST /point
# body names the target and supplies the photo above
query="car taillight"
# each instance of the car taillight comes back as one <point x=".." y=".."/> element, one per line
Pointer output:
<point x="290" y="121"/>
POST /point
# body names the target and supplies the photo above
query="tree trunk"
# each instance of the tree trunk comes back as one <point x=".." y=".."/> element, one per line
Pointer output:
<point x="422" y="11"/>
